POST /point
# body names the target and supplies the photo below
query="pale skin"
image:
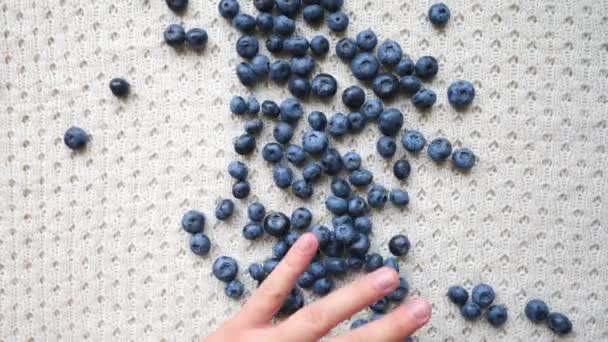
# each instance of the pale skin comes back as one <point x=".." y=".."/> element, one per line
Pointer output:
<point x="315" y="320"/>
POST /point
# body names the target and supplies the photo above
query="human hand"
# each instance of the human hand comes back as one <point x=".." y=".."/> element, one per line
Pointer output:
<point x="315" y="320"/>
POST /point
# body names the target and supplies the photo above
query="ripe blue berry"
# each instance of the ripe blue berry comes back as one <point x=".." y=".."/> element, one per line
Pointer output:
<point x="302" y="66"/>
<point x="402" y="169"/>
<point x="244" y="144"/>
<point x="200" y="244"/>
<point x="319" y="45"/>
<point x="119" y="87"/>
<point x="458" y="295"/>
<point x="256" y="212"/>
<point x="559" y="323"/>
<point x="377" y="196"/>
<point x="313" y="14"/>
<point x="463" y="158"/>
<point x="361" y="178"/>
<point x="312" y="172"/>
<point x="413" y="141"/>
<point x="337" y="21"/>
<point x="483" y="295"/>
<point x="247" y="46"/>
<point x="270" y="264"/>
<point x="426" y="67"/>
<point x="385" y="85"/>
<point x="399" y="245"/>
<point x="254" y="126"/>
<point x="228" y="8"/>
<point x="265" y="22"/>
<point x="353" y="97"/>
<point x="335" y="265"/>
<point x="405" y="67"/>
<point x="373" y="262"/>
<point x="338" y="125"/>
<point x="299" y="86"/>
<point x="291" y="110"/>
<point x="234" y="289"/>
<point x="342" y="219"/>
<point x="439" y="149"/>
<point x="323" y="235"/>
<point x="324" y="85"/>
<point x="332" y="5"/>
<point x="270" y="109"/>
<point x="345" y="234"/>
<point x="252" y="231"/>
<point x="315" y="142"/>
<point x="279" y="249"/>
<point x="197" y="38"/>
<point x="346" y="49"/>
<point x="323" y="286"/>
<point x="365" y="66"/>
<point x="75" y="138"/>
<point x="225" y="268"/>
<point x="424" y="98"/>
<point x="274" y="43"/>
<point x="367" y="40"/>
<point x="306" y="279"/>
<point x="253" y="106"/>
<point x="280" y="71"/>
<point x="410" y="84"/>
<point x="241" y="189"/>
<point x="276" y="224"/>
<point x="372" y="109"/>
<point x="282" y="176"/>
<point x="357" y="206"/>
<point x="390" y="53"/>
<point x="386" y="147"/>
<point x="381" y="306"/>
<point x="336" y="205"/>
<point x="363" y="224"/>
<point x="536" y="310"/>
<point x="296" y="155"/>
<point x="301" y="218"/>
<point x="238" y="105"/>
<point x="400" y="292"/>
<point x="296" y="45"/>
<point x="497" y="315"/>
<point x="193" y="222"/>
<point x="244" y="22"/>
<point x="174" y="35"/>
<point x="331" y="161"/>
<point x="282" y="132"/>
<point x="356" y="121"/>
<point x="351" y="161"/>
<point x="284" y="26"/>
<point x="288" y="7"/>
<point x="461" y="93"/>
<point x="293" y="302"/>
<point x="246" y="74"/>
<point x="177" y="5"/>
<point x="238" y="170"/>
<point x="359" y="247"/>
<point x="399" y="197"/>
<point x="302" y="189"/>
<point x="264" y="5"/>
<point x="470" y="311"/>
<point x="340" y="187"/>
<point x="256" y="271"/>
<point x="439" y="14"/>
<point x="390" y="121"/>
<point x="317" y="120"/>
<point x="224" y="209"/>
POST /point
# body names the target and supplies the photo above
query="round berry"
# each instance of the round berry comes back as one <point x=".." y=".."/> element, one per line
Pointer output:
<point x="200" y="244"/>
<point x="399" y="245"/>
<point x="276" y="224"/>
<point x="439" y="149"/>
<point x="193" y="222"/>
<point x="225" y="268"/>
<point x="75" y="138"/>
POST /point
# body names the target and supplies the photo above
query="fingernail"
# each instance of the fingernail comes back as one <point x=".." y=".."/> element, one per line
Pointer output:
<point x="420" y="309"/>
<point x="385" y="280"/>
<point x="306" y="243"/>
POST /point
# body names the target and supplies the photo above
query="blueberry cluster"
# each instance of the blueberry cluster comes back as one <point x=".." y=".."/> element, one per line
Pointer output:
<point x="193" y="222"/>
<point x="482" y="297"/>
<point x="175" y="35"/>
<point x="537" y="311"/>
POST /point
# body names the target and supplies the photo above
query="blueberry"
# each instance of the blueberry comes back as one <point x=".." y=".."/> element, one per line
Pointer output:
<point x="296" y="45"/>
<point x="291" y="110"/>
<point x="322" y="233"/>
<point x="225" y="268"/>
<point x="317" y="270"/>
<point x="361" y="178"/>
<point x="302" y="189"/>
<point x="200" y="244"/>
<point x="367" y="40"/>
<point x="389" y="53"/>
<point x="238" y="170"/>
<point x="413" y="141"/>
<point x="241" y="189"/>
<point x="360" y="246"/>
<point x="439" y="149"/>
<point x="265" y="22"/>
<point x="345" y="234"/>
<point x="319" y="45"/>
<point x="351" y="161"/>
<point x="427" y="67"/>
<point x="333" y="248"/>
<point x="264" y="5"/>
<point x="346" y="48"/>
<point x="312" y="172"/>
<point x="372" y="109"/>
<point x="301" y="218"/>
<point x="306" y="280"/>
<point x="284" y="26"/>
<point x="536" y="310"/>
<point x="331" y="161"/>
<point x="338" y="125"/>
<point x="342" y="219"/>
<point x="458" y="295"/>
<point x="302" y="66"/>
<point x="410" y="84"/>
<point x="373" y="262"/>
<point x="296" y="155"/>
<point x="323" y="286"/>
<point x="274" y="43"/>
<point x="463" y="158"/>
<point x="439" y="14"/>
<point x="313" y="14"/>
<point x="335" y="266"/>
<point x="175" y="35"/>
<point x="276" y="224"/>
<point x="385" y="85"/>
<point x="470" y="311"/>
<point x="424" y="98"/>
<point x="461" y="93"/>
<point x="247" y="46"/>
<point x="358" y="323"/>
<point x="353" y="97"/>
<point x="365" y="66"/>
<point x="246" y="74"/>
<point x="119" y="87"/>
<point x="336" y="205"/>
<point x="483" y="295"/>
<point x="280" y="71"/>
<point x="244" y="144"/>
<point x="392" y="263"/>
<point x="377" y="196"/>
<point x="197" y="38"/>
<point x="193" y="222"/>
<point x="177" y="5"/>
<point x="238" y="105"/>
<point x="497" y="315"/>
<point x="386" y="147"/>
<point x="324" y="85"/>
<point x="340" y="187"/>
<point x="282" y="176"/>
<point x="228" y="8"/>
<point x="405" y="67"/>
<point x="337" y="21"/>
<point x="299" y="86"/>
<point x="280" y="249"/>
<point x="402" y="169"/>
<point x="224" y="209"/>
<point x="381" y="306"/>
<point x="270" y="109"/>
<point x="559" y="323"/>
<point x="256" y="212"/>
<point x="356" y="121"/>
<point x="282" y="132"/>
<point x="332" y="5"/>
<point x="244" y="22"/>
<point x="363" y="224"/>
<point x="270" y="264"/>
<point x="234" y="289"/>
<point x="399" y="197"/>
<point x="400" y="292"/>
<point x="357" y="206"/>
<point x="293" y="302"/>
<point x="315" y="142"/>
<point x="254" y="126"/>
<point x="288" y="7"/>
<point x="256" y="271"/>
<point x="252" y="231"/>
<point x="75" y="138"/>
<point x="317" y="120"/>
<point x="253" y="106"/>
<point x="399" y="245"/>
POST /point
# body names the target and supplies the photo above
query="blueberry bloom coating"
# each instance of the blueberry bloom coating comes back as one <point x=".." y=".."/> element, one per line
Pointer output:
<point x="280" y="248"/>
<point x="238" y="105"/>
<point x="228" y="8"/>
<point x="306" y="280"/>
<point x="301" y="218"/>
<point x="458" y="295"/>
<point x="293" y="302"/>
<point x="337" y="21"/>
<point x="280" y="71"/>
<point x="253" y="106"/>
<point x="399" y="197"/>
<point x="244" y="144"/>
<point x="439" y="14"/>
<point x="317" y="120"/>
<point x="323" y="286"/>
<point x="340" y="187"/>
<point x="244" y="22"/>
<point x="256" y="212"/>
<point x="367" y="40"/>
<point x="413" y="141"/>
<point x="497" y="315"/>
<point x="270" y="109"/>
<point x="274" y="42"/>
<point x="463" y="158"/>
<point x="302" y="66"/>
<point x="313" y="14"/>
<point x="75" y="138"/>
<point x="323" y="235"/>
<point x="373" y="262"/>
<point x="361" y="178"/>
<point x="200" y="244"/>
<point x="317" y="269"/>
<point x="461" y="93"/>
<point x="252" y="231"/>
<point x="359" y="247"/>
<point x="363" y="224"/>
<point x="282" y="132"/>
<point x="354" y="262"/>
<point x="288" y="7"/>
<point x="424" y="98"/>
<point x="298" y="86"/>
<point x="385" y="85"/>
<point x="264" y="5"/>
<point x="284" y="26"/>
<point x="265" y="22"/>
<point x="276" y="224"/>
<point x="331" y="161"/>
<point x="345" y="234"/>
<point x="399" y="245"/>
<point x="483" y="295"/>
<point x="254" y="126"/>
<point x="241" y="189"/>
<point x="224" y="209"/>
<point x="346" y="48"/>
<point x="315" y="142"/>
<point x="335" y="266"/>
<point x="356" y="121"/>
<point x="256" y="271"/>
<point x="351" y="161"/>
<point x="338" y="125"/>
<point x="365" y="66"/>
<point x="439" y="149"/>
<point x="332" y="5"/>
<point x="296" y="155"/>
<point x="353" y="97"/>
<point x="410" y="84"/>
<point x="559" y="323"/>
<point x="389" y="53"/>
<point x="402" y="169"/>
<point x="193" y="222"/>
<point x="386" y="147"/>
<point x="291" y="110"/>
<point x="312" y="172"/>
<point x="238" y="170"/>
<point x="296" y="45"/>
<point x="372" y="109"/>
<point x="405" y="67"/>
<point x="342" y="219"/>
<point x="302" y="188"/>
<point x="390" y="121"/>
<point x="197" y="38"/>
<point x="234" y="289"/>
<point x="470" y="311"/>
<point x="319" y="45"/>
<point x="336" y="205"/>
<point x="270" y="264"/>
<point x="427" y="67"/>
<point x="174" y="35"/>
<point x="282" y="176"/>
<point x="377" y="196"/>
<point x="324" y="85"/>
<point x="536" y="310"/>
<point x="246" y="74"/>
<point x="225" y="268"/>
<point x="247" y="46"/>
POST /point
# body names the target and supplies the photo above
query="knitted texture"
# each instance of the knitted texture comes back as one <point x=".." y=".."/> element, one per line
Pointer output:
<point x="91" y="247"/>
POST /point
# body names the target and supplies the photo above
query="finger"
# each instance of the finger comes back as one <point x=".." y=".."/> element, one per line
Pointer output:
<point x="269" y="297"/>
<point x="314" y="320"/>
<point x="396" y="326"/>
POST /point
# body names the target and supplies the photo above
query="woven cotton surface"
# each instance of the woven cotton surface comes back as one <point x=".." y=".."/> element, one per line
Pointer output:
<point x="90" y="243"/>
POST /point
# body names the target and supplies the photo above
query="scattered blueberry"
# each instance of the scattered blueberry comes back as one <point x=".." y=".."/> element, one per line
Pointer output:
<point x="200" y="244"/>
<point x="424" y="98"/>
<point x="359" y="247"/>
<point x="351" y="161"/>
<point x="399" y="245"/>
<point x="284" y="26"/>
<point x="282" y="176"/>
<point x="270" y="109"/>
<point x="238" y="170"/>
<point x="75" y="138"/>
<point x="402" y="169"/>
<point x="389" y="53"/>
<point x="405" y="67"/>
<point x="361" y="178"/>
<point x="337" y="21"/>
<point x="413" y="141"/>
<point x="238" y="105"/>
<point x="335" y="265"/>
<point x="193" y="222"/>
<point x="372" y="109"/>
<point x="439" y="14"/>
<point x="323" y="235"/>
<point x="332" y="5"/>
<point x="458" y="295"/>
<point x="244" y="22"/>
<point x="386" y="147"/>
<point x="323" y="286"/>
<point x="483" y="295"/>
<point x="241" y="189"/>
<point x="319" y="45"/>
<point x="306" y="279"/>
<point x="400" y="292"/>
<point x="313" y="14"/>
<point x="177" y="5"/>
<point x="274" y="43"/>
<point x="536" y="310"/>
<point x="296" y="155"/>
<point x="346" y="48"/>
<point x="373" y="262"/>
<point x="282" y="132"/>
<point x="392" y="263"/>
<point x="224" y="209"/>
<point x="356" y="121"/>
<point x="353" y="97"/>
<point x="367" y="40"/>
<point x="338" y="125"/>
<point x="293" y="303"/>
<point x="317" y="270"/>
<point x="228" y="8"/>
<point x="291" y="110"/>
<point x="253" y="106"/>
<point x="340" y="187"/>
<point x="270" y="264"/>
<point x="247" y="46"/>
<point x="292" y="237"/>
<point x="256" y="212"/>
<point x="296" y="45"/>
<point x="377" y="196"/>
<point x="225" y="268"/>
<point x="175" y="35"/>
<point x="244" y="144"/>
<point x="363" y="224"/>
<point x="312" y="172"/>
<point x="345" y="234"/>
<point x="385" y="85"/>
<point x="497" y="315"/>
<point x="119" y="87"/>
<point x="390" y="122"/>
<point x="302" y="188"/>
<point x="265" y="22"/>
<point x="427" y="67"/>
<point x="264" y="5"/>
<point x="256" y="271"/>
<point x="317" y="120"/>
<point x="463" y="158"/>
<point x="298" y="86"/>
<point x="342" y="219"/>
<point x="246" y="74"/>
<point x="365" y="66"/>
<point x="331" y="161"/>
<point x="301" y="218"/>
<point x="254" y="126"/>
<point x="234" y="289"/>
<point x="559" y="323"/>
<point x="280" y="249"/>
<point x="280" y="71"/>
<point x="399" y="197"/>
<point x="197" y="38"/>
<point x="336" y="205"/>
<point x="461" y="93"/>
<point x="302" y="66"/>
<point x="252" y="231"/>
<point x="470" y="311"/>
<point x="324" y="85"/>
<point x="410" y="84"/>
<point x="288" y="7"/>
<point x="439" y="149"/>
<point x="315" y="142"/>
<point x="276" y="224"/>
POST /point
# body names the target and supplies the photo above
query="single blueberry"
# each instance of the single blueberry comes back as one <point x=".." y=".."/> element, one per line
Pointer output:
<point x="228" y="8"/>
<point x="335" y="266"/>
<point x="351" y="161"/>
<point x="238" y="170"/>
<point x="390" y="121"/>
<point x="270" y="264"/>
<point x="358" y="323"/>
<point x="353" y="97"/>
<point x="293" y="302"/>
<point x="224" y="209"/>
<point x="282" y="132"/>
<point x="284" y="26"/>
<point x="373" y="262"/>
<point x="296" y="45"/>
<point x="385" y="85"/>
<point x="302" y="66"/>
<point x="463" y="158"/>
<point x="276" y="224"/>
<point x="313" y="14"/>
<point x="386" y="147"/>
<point x="317" y="120"/>
<point x="439" y="149"/>
<point x="337" y="21"/>
<point x="256" y="212"/>
<point x="291" y="110"/>
<point x="252" y="231"/>
<point x="253" y="106"/>
<point x="363" y="224"/>
<point x="399" y="197"/>
<point x="402" y="169"/>
<point x="360" y="246"/>
<point x="345" y="234"/>
<point x="254" y="126"/>
<point x="234" y="289"/>
<point x="439" y="14"/>
<point x="381" y="306"/>
<point x="274" y="43"/>
<point x="470" y="311"/>
<point x="338" y="125"/>
<point x="392" y="263"/>
<point x="536" y="310"/>
<point x="322" y="233"/>
<point x="315" y="142"/>
<point x="312" y="172"/>
<point x="356" y="121"/>
<point x="225" y="268"/>
<point x="559" y="323"/>
<point x="301" y="218"/>
<point x="270" y="109"/>
<point x="256" y="271"/>
<point x="332" y="5"/>
<point x="324" y="85"/>
<point x="399" y="245"/>
<point x="390" y="53"/>
<point x="177" y="5"/>
<point x="342" y="219"/>
<point x="260" y="65"/>
<point x="331" y="161"/>
<point x="333" y="248"/>
<point x="346" y="48"/>
<point x="244" y="144"/>
<point x="238" y="105"/>
<point x="377" y="196"/>
<point x="336" y="205"/>
<point x="288" y="7"/>
<point x="497" y="315"/>
<point x="264" y="5"/>
<point x="246" y="74"/>
<point x="306" y="280"/>
<point x="427" y="67"/>
<point x="280" y="249"/>
<point x="483" y="295"/>
<point x="424" y="98"/>
<point x="317" y="270"/>
<point x="200" y="244"/>
<point x="323" y="286"/>
<point x="119" y="87"/>
<point x="361" y="178"/>
<point x="265" y="22"/>
<point x="175" y="35"/>
<point x="458" y="295"/>
<point x="340" y="187"/>
<point x="367" y="40"/>
<point x="296" y="155"/>
<point x="193" y="222"/>
<point x="413" y="141"/>
<point x="197" y="38"/>
<point x="302" y="189"/>
<point x="461" y="93"/>
<point x="365" y="66"/>
<point x="282" y="176"/>
<point x="410" y="84"/>
<point x="357" y="206"/>
<point x="400" y="292"/>
<point x="247" y="46"/>
<point x="299" y="86"/>
<point x="405" y="67"/>
<point x="75" y="138"/>
<point x="244" y="22"/>
<point x="280" y="71"/>
<point x="372" y="109"/>
<point x="319" y="45"/>
<point x="241" y="189"/>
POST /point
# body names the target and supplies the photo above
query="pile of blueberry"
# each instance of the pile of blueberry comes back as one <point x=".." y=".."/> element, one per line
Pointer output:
<point x="537" y="311"/>
<point x="482" y="298"/>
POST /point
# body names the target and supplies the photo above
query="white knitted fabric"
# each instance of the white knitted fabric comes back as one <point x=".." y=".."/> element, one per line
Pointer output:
<point x="91" y="246"/>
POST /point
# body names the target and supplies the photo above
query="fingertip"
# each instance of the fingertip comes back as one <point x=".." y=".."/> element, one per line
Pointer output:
<point x="307" y="244"/>
<point x="420" y="309"/>
<point x="385" y="279"/>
